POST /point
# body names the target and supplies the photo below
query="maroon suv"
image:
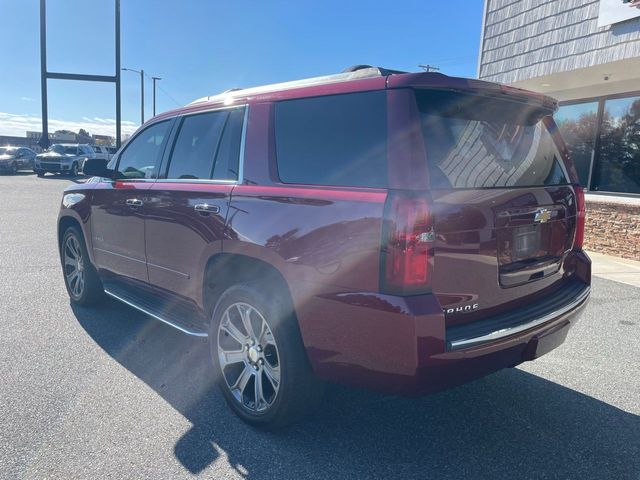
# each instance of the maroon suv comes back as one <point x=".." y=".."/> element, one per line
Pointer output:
<point x="405" y="232"/>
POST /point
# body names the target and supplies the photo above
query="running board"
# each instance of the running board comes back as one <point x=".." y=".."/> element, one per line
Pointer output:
<point x="152" y="309"/>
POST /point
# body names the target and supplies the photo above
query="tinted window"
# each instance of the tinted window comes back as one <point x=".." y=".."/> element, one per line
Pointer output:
<point x="477" y="142"/>
<point x="618" y="166"/>
<point x="333" y="140"/>
<point x="226" y="166"/>
<point x="196" y="145"/>
<point x="141" y="155"/>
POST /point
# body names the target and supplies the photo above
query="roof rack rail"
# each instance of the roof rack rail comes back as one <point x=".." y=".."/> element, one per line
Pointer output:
<point x="356" y="72"/>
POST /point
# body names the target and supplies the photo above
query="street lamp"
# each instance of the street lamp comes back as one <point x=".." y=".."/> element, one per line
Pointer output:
<point x="154" y="93"/>
<point x="141" y="72"/>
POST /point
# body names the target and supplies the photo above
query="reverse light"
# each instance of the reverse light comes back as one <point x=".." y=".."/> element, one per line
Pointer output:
<point x="407" y="245"/>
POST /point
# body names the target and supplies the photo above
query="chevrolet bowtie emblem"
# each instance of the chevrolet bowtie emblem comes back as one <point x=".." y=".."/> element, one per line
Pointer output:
<point x="543" y="215"/>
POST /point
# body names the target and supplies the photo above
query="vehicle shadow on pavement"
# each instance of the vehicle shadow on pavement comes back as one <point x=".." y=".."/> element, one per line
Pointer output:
<point x="19" y="173"/>
<point x="509" y="425"/>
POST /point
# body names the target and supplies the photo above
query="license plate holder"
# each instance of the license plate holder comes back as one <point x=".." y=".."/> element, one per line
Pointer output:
<point x="526" y="242"/>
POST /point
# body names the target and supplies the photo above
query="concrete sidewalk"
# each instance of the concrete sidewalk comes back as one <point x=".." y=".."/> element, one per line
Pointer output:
<point x="616" y="269"/>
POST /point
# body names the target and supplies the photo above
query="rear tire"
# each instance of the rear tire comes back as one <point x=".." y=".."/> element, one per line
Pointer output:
<point x="268" y="356"/>
<point x="13" y="169"/>
<point x="39" y="173"/>
<point x="80" y="277"/>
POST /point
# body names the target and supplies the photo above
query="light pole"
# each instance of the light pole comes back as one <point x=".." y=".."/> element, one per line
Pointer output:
<point x="154" y="93"/>
<point x="141" y="72"/>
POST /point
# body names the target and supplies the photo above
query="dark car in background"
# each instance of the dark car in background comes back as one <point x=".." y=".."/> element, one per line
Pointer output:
<point x="404" y="232"/>
<point x="64" y="159"/>
<point x="13" y="159"/>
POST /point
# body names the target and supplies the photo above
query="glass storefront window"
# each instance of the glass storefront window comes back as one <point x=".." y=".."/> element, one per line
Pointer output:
<point x="578" y="125"/>
<point x="618" y="165"/>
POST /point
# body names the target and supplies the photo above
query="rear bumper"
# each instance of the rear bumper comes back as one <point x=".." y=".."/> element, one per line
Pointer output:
<point x="521" y="320"/>
<point x="461" y="365"/>
<point x="400" y="345"/>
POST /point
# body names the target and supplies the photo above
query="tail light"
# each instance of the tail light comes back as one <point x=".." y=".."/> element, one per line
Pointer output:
<point x="407" y="245"/>
<point x="580" y="218"/>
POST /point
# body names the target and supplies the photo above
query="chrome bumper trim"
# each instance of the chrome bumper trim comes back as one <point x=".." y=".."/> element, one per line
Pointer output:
<point x="506" y="332"/>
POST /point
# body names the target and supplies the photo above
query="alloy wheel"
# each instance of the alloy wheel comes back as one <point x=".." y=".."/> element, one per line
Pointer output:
<point x="74" y="266"/>
<point x="248" y="357"/>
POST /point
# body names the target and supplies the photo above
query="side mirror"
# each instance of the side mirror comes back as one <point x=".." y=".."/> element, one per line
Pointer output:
<point x="96" y="167"/>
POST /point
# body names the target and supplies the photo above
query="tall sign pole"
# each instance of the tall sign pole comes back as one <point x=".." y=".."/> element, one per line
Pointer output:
<point x="44" y="140"/>
<point x="118" y="109"/>
<point x="141" y="96"/>
<point x="46" y="74"/>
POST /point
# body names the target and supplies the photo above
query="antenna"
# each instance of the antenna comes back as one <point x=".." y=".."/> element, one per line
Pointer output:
<point x="429" y="68"/>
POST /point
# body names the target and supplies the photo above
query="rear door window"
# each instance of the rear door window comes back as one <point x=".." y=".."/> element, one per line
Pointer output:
<point x="196" y="145"/>
<point x="333" y="140"/>
<point x="479" y="142"/>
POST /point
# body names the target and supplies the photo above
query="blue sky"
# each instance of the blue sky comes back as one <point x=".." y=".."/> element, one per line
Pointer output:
<point x="203" y="47"/>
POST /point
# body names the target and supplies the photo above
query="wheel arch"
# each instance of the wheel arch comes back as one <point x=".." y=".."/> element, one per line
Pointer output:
<point x="226" y="269"/>
<point x="70" y="218"/>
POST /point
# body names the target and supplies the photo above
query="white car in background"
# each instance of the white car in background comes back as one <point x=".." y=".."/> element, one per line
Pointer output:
<point x="63" y="158"/>
<point x="102" y="152"/>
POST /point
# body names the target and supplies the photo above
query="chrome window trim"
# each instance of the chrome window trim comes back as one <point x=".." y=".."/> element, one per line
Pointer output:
<point x="506" y="332"/>
<point x="196" y="180"/>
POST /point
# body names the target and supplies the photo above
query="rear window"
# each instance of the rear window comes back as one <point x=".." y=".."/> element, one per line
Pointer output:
<point x="333" y="140"/>
<point x="479" y="142"/>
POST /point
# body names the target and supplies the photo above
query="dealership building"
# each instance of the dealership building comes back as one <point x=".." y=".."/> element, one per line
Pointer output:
<point x="587" y="55"/>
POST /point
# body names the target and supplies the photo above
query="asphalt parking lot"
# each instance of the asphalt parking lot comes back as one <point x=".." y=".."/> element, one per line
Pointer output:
<point x="109" y="392"/>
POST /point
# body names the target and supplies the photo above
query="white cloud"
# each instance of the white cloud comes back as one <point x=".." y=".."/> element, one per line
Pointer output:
<point x="27" y="99"/>
<point x="18" y="125"/>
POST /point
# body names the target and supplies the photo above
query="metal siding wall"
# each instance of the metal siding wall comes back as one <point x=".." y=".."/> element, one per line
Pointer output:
<point x="528" y="38"/>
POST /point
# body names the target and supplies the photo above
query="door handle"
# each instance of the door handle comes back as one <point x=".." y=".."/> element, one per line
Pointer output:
<point x="134" y="202"/>
<point x="206" y="209"/>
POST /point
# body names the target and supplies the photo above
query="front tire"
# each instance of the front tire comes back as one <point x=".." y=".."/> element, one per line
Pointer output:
<point x="39" y="173"/>
<point x="13" y="169"/>
<point x="74" y="170"/>
<point x="256" y="348"/>
<point x="80" y="277"/>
